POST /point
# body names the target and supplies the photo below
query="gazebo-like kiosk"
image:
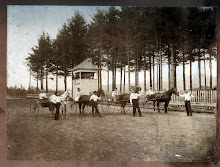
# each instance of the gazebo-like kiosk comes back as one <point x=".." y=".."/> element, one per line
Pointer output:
<point x="85" y="77"/>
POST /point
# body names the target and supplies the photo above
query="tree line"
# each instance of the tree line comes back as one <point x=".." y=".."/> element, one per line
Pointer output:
<point x="130" y="39"/>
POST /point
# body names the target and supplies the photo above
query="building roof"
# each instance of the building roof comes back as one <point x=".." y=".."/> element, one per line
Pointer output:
<point x="85" y="65"/>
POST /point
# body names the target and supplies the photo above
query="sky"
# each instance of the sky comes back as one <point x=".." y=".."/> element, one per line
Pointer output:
<point x="26" y="23"/>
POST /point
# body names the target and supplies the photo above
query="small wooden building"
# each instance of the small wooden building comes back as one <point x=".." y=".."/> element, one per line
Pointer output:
<point x="85" y="77"/>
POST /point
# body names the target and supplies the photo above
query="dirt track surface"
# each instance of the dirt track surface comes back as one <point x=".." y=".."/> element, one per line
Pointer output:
<point x="113" y="137"/>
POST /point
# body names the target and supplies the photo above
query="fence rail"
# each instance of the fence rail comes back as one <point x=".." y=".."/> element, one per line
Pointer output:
<point x="200" y="96"/>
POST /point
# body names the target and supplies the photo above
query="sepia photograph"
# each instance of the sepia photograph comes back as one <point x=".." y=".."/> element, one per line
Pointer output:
<point x="111" y="83"/>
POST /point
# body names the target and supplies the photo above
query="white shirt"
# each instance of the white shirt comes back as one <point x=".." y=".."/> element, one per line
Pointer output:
<point x="94" y="97"/>
<point x="54" y="99"/>
<point x="133" y="96"/>
<point x="42" y="96"/>
<point x="114" y="93"/>
<point x="187" y="96"/>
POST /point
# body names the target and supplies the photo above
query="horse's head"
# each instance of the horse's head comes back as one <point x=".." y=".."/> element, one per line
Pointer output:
<point x="100" y="92"/>
<point x="173" y="90"/>
<point x="67" y="95"/>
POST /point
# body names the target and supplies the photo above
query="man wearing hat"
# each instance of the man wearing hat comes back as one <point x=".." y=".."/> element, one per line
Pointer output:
<point x="134" y="100"/>
<point x="187" y="97"/>
<point x="55" y="99"/>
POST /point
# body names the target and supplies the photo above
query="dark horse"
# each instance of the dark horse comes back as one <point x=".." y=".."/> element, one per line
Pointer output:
<point x="125" y="98"/>
<point x="84" y="100"/>
<point x="162" y="97"/>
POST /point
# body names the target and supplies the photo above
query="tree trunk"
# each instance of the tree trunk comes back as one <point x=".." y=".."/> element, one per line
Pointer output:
<point x="37" y="82"/>
<point x="108" y="80"/>
<point x="190" y="64"/>
<point x="100" y="73"/>
<point x="136" y="70"/>
<point x="41" y="79"/>
<point x="121" y="78"/>
<point x="153" y="74"/>
<point x="129" y="74"/>
<point x="199" y="68"/>
<point x="210" y="68"/>
<point x="115" y="78"/>
<point x="159" y="73"/>
<point x="172" y="77"/>
<point x="46" y="82"/>
<point x="145" y="74"/>
<point x="65" y="83"/>
<point x="205" y="72"/>
<point x="169" y="68"/>
<point x="113" y="74"/>
<point x="57" y="80"/>
<point x="175" y="79"/>
<point x="124" y="81"/>
<point x="161" y="69"/>
<point x="184" y="78"/>
<point x="150" y="71"/>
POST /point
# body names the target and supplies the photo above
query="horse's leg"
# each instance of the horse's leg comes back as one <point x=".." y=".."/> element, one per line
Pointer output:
<point x="65" y="109"/>
<point x="165" y="106"/>
<point x="154" y="104"/>
<point x="80" y="104"/>
<point x="158" y="106"/>
<point x="124" y="107"/>
<point x="83" y="108"/>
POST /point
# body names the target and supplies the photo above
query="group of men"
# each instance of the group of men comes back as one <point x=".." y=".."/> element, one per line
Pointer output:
<point x="55" y="101"/>
<point x="134" y="100"/>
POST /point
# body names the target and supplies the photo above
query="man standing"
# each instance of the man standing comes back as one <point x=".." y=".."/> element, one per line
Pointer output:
<point x="188" y="97"/>
<point x="135" y="102"/>
<point x="114" y="94"/>
<point x="42" y="95"/>
<point x="55" y="99"/>
<point x="78" y="94"/>
<point x="94" y="100"/>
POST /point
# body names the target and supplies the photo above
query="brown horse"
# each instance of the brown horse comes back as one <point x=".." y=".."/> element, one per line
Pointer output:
<point x="84" y="100"/>
<point x="125" y="98"/>
<point x="162" y="97"/>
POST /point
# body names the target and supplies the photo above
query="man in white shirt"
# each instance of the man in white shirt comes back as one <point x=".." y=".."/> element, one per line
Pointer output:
<point x="42" y="95"/>
<point x="114" y="94"/>
<point x="134" y="98"/>
<point x="55" y="99"/>
<point x="94" y="101"/>
<point x="78" y="94"/>
<point x="188" y="97"/>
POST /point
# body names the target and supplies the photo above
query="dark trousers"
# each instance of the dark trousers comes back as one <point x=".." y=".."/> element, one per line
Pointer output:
<point x="95" y="106"/>
<point x="136" y="106"/>
<point x="57" y="114"/>
<point x="188" y="108"/>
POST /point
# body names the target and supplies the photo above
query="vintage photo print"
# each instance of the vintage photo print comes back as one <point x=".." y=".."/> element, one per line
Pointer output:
<point x="111" y="83"/>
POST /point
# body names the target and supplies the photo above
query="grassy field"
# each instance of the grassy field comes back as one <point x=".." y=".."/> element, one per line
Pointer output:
<point x="171" y="137"/>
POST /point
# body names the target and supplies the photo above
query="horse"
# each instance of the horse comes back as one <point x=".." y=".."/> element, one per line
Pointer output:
<point x="65" y="98"/>
<point x="125" y="98"/>
<point x="84" y="100"/>
<point x="162" y="97"/>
